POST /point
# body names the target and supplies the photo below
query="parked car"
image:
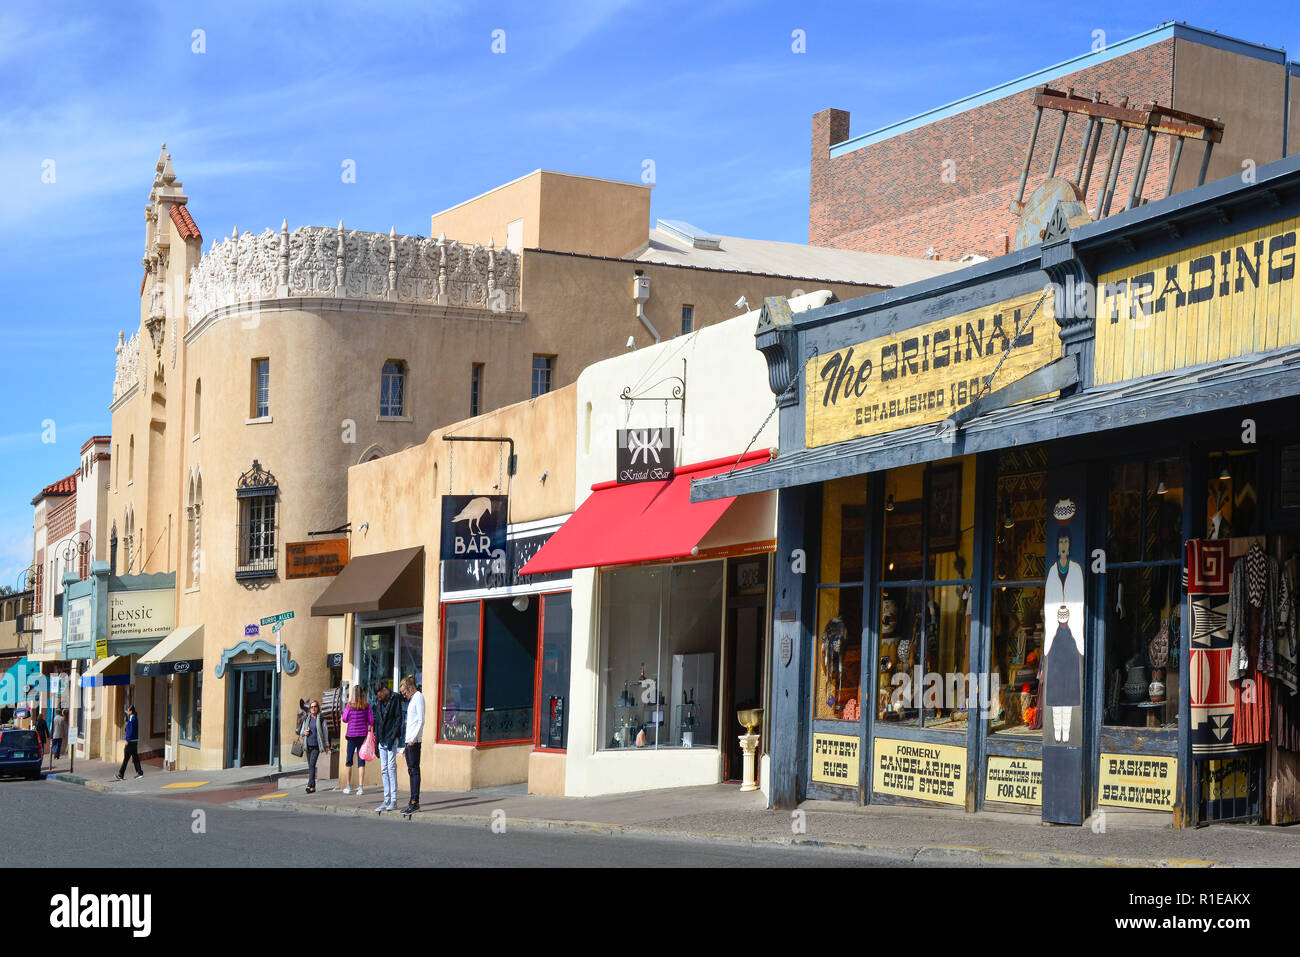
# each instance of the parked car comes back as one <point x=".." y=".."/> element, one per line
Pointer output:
<point x="20" y="752"/>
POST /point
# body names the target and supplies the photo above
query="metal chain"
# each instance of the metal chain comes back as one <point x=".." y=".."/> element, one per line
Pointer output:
<point x="988" y="383"/>
<point x="794" y="381"/>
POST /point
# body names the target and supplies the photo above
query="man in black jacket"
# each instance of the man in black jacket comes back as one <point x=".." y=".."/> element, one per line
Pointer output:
<point x="388" y="738"/>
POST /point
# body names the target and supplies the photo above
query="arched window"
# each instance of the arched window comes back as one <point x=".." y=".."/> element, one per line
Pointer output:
<point x="392" y="389"/>
<point x="130" y="461"/>
<point x="194" y="530"/>
<point x="198" y="405"/>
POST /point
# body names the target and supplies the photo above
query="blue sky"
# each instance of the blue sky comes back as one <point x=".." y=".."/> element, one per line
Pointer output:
<point x="260" y="124"/>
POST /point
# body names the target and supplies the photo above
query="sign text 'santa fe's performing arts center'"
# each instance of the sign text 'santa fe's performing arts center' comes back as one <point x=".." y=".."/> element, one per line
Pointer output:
<point x="140" y="614"/>
<point x="925" y="373"/>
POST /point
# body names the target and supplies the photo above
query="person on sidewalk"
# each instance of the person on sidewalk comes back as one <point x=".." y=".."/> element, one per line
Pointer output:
<point x="414" y="730"/>
<point x="357" y="721"/>
<point x="39" y="726"/>
<point x="315" y="739"/>
<point x="388" y="738"/>
<point x="59" y="734"/>
<point x="132" y="753"/>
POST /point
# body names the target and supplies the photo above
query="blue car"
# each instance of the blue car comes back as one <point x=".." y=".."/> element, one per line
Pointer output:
<point x="20" y="752"/>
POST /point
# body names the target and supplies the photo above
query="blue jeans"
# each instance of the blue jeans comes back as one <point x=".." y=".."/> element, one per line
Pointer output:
<point x="388" y="770"/>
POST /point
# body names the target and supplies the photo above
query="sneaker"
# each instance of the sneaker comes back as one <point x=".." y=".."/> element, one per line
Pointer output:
<point x="347" y="790"/>
<point x="381" y="808"/>
<point x="360" y="791"/>
<point x="117" y="777"/>
<point x="139" y="776"/>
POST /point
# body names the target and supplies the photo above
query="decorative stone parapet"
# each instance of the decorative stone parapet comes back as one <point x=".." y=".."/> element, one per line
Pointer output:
<point x="351" y="264"/>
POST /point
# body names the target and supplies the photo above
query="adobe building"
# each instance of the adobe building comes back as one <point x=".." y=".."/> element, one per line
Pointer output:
<point x="944" y="180"/>
<point x="263" y="369"/>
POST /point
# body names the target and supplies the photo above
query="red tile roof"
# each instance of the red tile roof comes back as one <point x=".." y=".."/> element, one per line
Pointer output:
<point x="185" y="224"/>
<point x="64" y="486"/>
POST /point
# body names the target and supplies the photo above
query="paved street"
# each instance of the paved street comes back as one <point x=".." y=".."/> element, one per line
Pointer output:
<point x="137" y="831"/>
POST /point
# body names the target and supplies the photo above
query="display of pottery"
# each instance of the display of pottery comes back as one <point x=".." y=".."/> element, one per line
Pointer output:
<point x="1135" y="685"/>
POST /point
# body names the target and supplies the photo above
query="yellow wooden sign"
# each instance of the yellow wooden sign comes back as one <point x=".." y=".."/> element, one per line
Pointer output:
<point x="1230" y="297"/>
<point x="1014" y="780"/>
<point x="835" y="759"/>
<point x="1146" y="781"/>
<point x="924" y="374"/>
<point x="915" y="769"/>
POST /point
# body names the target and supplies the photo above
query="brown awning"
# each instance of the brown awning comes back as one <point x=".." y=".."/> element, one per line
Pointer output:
<point x="381" y="582"/>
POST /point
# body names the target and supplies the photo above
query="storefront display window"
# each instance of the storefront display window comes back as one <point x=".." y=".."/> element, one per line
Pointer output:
<point x="839" y="599"/>
<point x="1020" y="560"/>
<point x="378" y="646"/>
<point x="190" y="690"/>
<point x="925" y="596"/>
<point x="460" y="642"/>
<point x="1231" y="499"/>
<point x="661" y="634"/>
<point x="553" y="699"/>
<point x="1143" y="593"/>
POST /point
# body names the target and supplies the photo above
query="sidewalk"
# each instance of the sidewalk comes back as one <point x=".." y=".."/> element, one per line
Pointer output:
<point x="99" y="775"/>
<point x="722" y="813"/>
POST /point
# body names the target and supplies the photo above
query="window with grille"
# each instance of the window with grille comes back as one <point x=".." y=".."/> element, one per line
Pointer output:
<point x="688" y="319"/>
<point x="543" y="369"/>
<point x="392" y="389"/>
<point x="256" y="536"/>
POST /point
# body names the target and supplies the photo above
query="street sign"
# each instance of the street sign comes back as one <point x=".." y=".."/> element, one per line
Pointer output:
<point x="276" y="628"/>
<point x="283" y="616"/>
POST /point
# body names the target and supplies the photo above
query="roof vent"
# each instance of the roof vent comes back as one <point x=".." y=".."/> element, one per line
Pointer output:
<point x="690" y="234"/>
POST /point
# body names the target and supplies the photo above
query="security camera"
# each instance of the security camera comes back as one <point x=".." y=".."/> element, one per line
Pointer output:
<point x="742" y="303"/>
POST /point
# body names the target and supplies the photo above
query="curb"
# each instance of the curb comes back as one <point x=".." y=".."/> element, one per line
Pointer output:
<point x="919" y="854"/>
<point x="105" y="787"/>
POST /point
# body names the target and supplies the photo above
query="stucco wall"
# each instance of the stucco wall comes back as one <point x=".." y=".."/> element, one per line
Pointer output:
<point x="727" y="400"/>
<point x="400" y="498"/>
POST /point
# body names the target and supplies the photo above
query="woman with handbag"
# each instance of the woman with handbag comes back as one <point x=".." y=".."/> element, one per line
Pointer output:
<point x="357" y="721"/>
<point x="314" y="737"/>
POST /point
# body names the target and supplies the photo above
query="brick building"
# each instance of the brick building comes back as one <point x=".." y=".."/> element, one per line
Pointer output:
<point x="886" y="190"/>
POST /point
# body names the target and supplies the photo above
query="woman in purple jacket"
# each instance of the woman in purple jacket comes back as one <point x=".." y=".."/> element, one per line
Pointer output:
<point x="357" y="722"/>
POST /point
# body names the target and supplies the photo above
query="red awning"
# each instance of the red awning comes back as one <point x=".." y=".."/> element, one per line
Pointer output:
<point x="641" y="522"/>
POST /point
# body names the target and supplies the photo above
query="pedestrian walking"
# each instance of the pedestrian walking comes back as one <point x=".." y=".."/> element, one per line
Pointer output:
<point x="413" y="734"/>
<point x="315" y="739"/>
<point x="132" y="752"/>
<point x="388" y="738"/>
<point x="39" y="726"/>
<point x="357" y="721"/>
<point x="60" y="732"/>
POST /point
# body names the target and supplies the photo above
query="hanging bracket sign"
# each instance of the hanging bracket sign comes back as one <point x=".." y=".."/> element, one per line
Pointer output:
<point x="645" y="455"/>
<point x="473" y="526"/>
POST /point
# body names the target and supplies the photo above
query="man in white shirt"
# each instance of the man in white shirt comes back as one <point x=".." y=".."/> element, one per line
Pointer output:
<point x="414" y="731"/>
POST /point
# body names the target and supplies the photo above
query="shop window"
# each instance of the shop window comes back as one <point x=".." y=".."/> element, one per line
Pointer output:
<point x="660" y="637"/>
<point x="925" y="596"/>
<point x="1143" y="593"/>
<point x="460" y="642"/>
<point x="1231" y="498"/>
<point x="490" y="670"/>
<point x="190" y="706"/>
<point x="553" y="672"/>
<point x="1019" y="569"/>
<point x="838" y="661"/>
<point x="378" y="650"/>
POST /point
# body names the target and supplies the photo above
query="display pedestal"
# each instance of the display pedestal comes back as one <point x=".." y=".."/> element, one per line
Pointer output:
<point x="748" y="745"/>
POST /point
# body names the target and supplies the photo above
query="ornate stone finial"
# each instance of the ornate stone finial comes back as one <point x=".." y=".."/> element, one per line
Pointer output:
<point x="121" y="340"/>
<point x="284" y="225"/>
<point x="491" y="242"/>
<point x="234" y="233"/>
<point x="168" y="173"/>
<point x="442" y="238"/>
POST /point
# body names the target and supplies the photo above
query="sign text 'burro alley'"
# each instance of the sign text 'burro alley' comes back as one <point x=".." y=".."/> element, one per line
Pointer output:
<point x="923" y="374"/>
